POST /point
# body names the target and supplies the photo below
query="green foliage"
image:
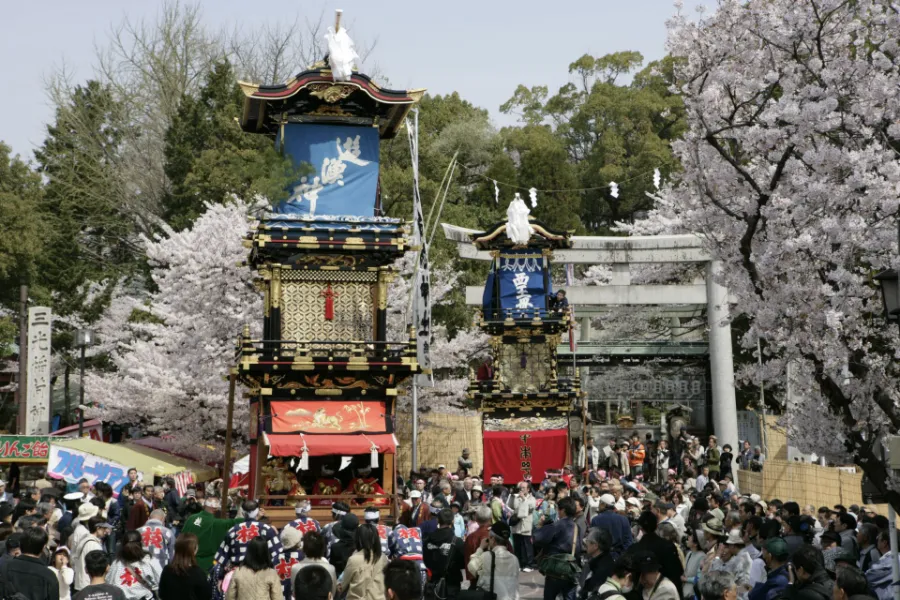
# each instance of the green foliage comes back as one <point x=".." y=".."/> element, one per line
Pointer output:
<point x="606" y="131"/>
<point x="8" y="333"/>
<point x="448" y="125"/>
<point x="20" y="226"/>
<point x="88" y="231"/>
<point x="544" y="164"/>
<point x="209" y="157"/>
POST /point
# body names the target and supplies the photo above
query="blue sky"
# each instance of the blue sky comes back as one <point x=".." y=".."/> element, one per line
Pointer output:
<point x="482" y="50"/>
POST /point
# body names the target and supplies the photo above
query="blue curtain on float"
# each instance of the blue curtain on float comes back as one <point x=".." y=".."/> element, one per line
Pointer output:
<point x="522" y="282"/>
<point x="344" y="160"/>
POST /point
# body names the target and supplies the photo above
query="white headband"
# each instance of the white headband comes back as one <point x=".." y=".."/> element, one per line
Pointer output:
<point x="253" y="513"/>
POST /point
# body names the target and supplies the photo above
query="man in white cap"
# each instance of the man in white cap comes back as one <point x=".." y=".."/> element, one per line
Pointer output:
<point x="4" y="495"/>
<point x="418" y="513"/>
<point x="388" y="540"/>
<point x="85" y="512"/>
<point x="303" y="522"/>
<point x="730" y="558"/>
<point x="291" y="554"/>
<point x="617" y="525"/>
<point x="71" y="501"/>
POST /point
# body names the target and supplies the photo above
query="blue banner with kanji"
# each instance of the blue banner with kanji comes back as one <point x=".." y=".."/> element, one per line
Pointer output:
<point x="522" y="282"/>
<point x="344" y="163"/>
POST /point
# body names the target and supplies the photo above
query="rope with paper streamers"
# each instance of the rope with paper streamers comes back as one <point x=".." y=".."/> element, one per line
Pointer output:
<point x="612" y="186"/>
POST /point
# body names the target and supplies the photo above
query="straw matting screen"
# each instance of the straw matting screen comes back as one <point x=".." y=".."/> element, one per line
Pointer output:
<point x="777" y="439"/>
<point x="804" y="483"/>
<point x="441" y="440"/>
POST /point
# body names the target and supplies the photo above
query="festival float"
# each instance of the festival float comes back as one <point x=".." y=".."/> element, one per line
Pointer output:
<point x="322" y="381"/>
<point x="523" y="399"/>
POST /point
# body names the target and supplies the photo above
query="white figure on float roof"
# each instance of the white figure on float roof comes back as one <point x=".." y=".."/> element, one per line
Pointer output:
<point x="518" y="229"/>
<point x="341" y="54"/>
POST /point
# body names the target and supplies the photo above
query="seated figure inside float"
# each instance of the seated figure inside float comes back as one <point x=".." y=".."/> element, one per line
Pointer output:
<point x="285" y="484"/>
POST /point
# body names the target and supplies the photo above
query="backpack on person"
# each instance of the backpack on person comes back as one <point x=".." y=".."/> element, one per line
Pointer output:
<point x="505" y="511"/>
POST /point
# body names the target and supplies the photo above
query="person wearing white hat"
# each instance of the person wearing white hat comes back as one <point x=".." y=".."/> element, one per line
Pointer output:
<point x="98" y="529"/>
<point x="85" y="512"/>
<point x="4" y="495"/>
<point x="617" y="525"/>
<point x="303" y="522"/>
<point x="729" y="558"/>
<point x="71" y="502"/>
<point x="418" y="513"/>
<point x="291" y="554"/>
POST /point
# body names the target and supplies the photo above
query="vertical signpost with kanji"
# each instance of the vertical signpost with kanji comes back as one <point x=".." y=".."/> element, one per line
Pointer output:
<point x="37" y="410"/>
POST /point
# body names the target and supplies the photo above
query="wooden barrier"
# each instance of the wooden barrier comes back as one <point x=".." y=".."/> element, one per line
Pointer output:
<point x="279" y="516"/>
<point x="441" y="440"/>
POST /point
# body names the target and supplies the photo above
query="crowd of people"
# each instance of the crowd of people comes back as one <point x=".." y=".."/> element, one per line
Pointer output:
<point x="593" y="531"/>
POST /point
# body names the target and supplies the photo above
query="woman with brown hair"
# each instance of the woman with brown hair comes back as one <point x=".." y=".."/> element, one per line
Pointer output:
<point x="182" y="578"/>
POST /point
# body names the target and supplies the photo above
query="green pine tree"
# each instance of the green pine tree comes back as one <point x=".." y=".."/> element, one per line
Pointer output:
<point x="209" y="157"/>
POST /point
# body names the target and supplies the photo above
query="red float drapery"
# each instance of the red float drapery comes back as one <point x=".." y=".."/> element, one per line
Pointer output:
<point x="515" y="454"/>
<point x="329" y="445"/>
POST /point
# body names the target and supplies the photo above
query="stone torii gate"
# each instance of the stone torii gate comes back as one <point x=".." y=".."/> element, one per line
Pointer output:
<point x="620" y="253"/>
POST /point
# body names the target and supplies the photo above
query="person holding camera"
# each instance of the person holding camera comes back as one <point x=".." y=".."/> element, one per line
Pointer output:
<point x="495" y="568"/>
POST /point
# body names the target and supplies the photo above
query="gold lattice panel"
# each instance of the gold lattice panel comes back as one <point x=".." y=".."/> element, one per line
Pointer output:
<point x="524" y="367"/>
<point x="303" y="311"/>
<point x="332" y="276"/>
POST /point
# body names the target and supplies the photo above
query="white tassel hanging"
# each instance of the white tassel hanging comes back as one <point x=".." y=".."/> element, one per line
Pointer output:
<point x="532" y="193"/>
<point x="496" y="191"/>
<point x="613" y="189"/>
<point x="304" y="457"/>
<point x="373" y="456"/>
<point x="656" y="178"/>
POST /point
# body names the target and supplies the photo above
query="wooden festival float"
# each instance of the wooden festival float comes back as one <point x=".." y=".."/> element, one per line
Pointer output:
<point x="524" y="401"/>
<point x="323" y="379"/>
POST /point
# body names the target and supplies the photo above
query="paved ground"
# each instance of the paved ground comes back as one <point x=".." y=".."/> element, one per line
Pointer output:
<point x="531" y="585"/>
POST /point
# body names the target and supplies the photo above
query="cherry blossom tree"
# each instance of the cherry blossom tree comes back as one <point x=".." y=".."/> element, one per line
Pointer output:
<point x="171" y="352"/>
<point x="171" y="348"/>
<point x="451" y="355"/>
<point x="791" y="172"/>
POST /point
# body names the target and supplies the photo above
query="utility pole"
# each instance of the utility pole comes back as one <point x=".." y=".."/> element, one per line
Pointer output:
<point x="81" y="396"/>
<point x="23" y="359"/>
<point x="226" y="468"/>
